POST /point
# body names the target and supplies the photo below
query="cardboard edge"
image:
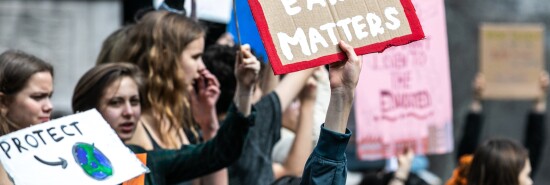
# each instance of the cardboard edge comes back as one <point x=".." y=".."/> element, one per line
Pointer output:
<point x="417" y="33"/>
<point x="261" y="22"/>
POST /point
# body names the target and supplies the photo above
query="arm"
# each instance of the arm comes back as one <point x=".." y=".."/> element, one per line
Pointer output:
<point x="246" y="71"/>
<point x="327" y="163"/>
<point x="402" y="173"/>
<point x="269" y="80"/>
<point x="535" y="132"/>
<point x="193" y="161"/>
<point x="290" y="86"/>
<point x="4" y="179"/>
<point x="204" y="112"/>
<point x="302" y="145"/>
<point x="474" y="121"/>
<point x="203" y="103"/>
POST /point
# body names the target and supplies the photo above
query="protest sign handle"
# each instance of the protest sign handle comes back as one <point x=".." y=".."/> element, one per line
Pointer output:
<point x="237" y="29"/>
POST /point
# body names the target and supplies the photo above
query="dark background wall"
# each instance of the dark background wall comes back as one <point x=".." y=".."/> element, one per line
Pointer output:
<point x="502" y="118"/>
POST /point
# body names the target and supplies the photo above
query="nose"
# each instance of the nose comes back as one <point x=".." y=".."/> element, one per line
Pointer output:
<point x="48" y="106"/>
<point x="200" y="65"/>
<point x="127" y="110"/>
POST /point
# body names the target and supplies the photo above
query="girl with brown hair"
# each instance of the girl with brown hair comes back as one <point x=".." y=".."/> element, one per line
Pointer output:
<point x="116" y="91"/>
<point x="26" y="85"/>
<point x="500" y="162"/>
<point x="180" y="94"/>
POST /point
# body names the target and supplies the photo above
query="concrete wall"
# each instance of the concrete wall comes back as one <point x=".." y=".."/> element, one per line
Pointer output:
<point x="68" y="34"/>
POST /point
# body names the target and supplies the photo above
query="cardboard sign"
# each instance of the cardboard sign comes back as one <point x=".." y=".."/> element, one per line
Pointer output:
<point x="77" y="149"/>
<point x="404" y="96"/>
<point x="304" y="34"/>
<point x="512" y="58"/>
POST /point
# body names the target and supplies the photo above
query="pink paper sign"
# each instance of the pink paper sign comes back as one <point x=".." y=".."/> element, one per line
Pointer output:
<point x="404" y="96"/>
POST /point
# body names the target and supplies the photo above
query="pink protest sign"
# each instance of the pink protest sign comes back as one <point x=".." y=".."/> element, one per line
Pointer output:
<point x="404" y="96"/>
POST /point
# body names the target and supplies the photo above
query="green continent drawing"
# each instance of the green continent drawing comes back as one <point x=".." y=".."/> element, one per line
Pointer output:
<point x="92" y="161"/>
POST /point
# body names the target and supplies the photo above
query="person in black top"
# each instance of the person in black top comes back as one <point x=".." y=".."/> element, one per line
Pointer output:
<point x="535" y="130"/>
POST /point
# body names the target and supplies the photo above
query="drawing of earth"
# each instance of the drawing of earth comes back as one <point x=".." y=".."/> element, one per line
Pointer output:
<point x="92" y="161"/>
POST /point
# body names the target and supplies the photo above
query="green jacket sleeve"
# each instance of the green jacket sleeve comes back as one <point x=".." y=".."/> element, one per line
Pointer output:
<point x="191" y="161"/>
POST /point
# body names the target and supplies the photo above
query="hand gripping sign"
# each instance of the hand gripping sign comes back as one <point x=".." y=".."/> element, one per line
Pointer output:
<point x="77" y="149"/>
<point x="301" y="34"/>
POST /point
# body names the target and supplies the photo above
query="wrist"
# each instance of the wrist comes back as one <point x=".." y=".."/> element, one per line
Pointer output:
<point x="400" y="179"/>
<point x="345" y="94"/>
<point x="304" y="105"/>
<point x="476" y="106"/>
<point x="243" y="90"/>
<point x="401" y="174"/>
<point x="209" y="134"/>
<point x="209" y="125"/>
<point x="540" y="106"/>
<point x="307" y="101"/>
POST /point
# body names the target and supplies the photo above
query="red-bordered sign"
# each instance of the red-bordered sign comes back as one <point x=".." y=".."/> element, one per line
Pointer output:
<point x="259" y="13"/>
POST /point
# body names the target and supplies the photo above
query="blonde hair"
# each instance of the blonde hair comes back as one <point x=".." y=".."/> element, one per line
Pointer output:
<point x="155" y="46"/>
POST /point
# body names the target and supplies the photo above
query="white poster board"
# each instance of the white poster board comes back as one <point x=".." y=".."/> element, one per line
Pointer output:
<point x="77" y="149"/>
<point x="212" y="10"/>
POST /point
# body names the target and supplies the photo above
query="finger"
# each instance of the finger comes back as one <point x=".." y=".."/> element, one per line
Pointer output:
<point x="251" y="60"/>
<point x="247" y="53"/>
<point x="255" y="64"/>
<point x="212" y="90"/>
<point x="201" y="83"/>
<point x="348" y="49"/>
<point x="251" y="68"/>
<point x="245" y="47"/>
<point x="211" y="79"/>
<point x="238" y="58"/>
<point x="337" y="64"/>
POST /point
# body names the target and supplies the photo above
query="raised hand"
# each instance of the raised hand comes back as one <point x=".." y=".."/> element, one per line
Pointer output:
<point x="543" y="82"/>
<point x="247" y="69"/>
<point x="203" y="102"/>
<point x="478" y="86"/>
<point x="309" y="91"/>
<point x="540" y="102"/>
<point x="345" y="74"/>
<point x="477" y="89"/>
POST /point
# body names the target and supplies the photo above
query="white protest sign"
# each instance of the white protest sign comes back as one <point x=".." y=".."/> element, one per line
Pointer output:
<point x="212" y="10"/>
<point x="77" y="149"/>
